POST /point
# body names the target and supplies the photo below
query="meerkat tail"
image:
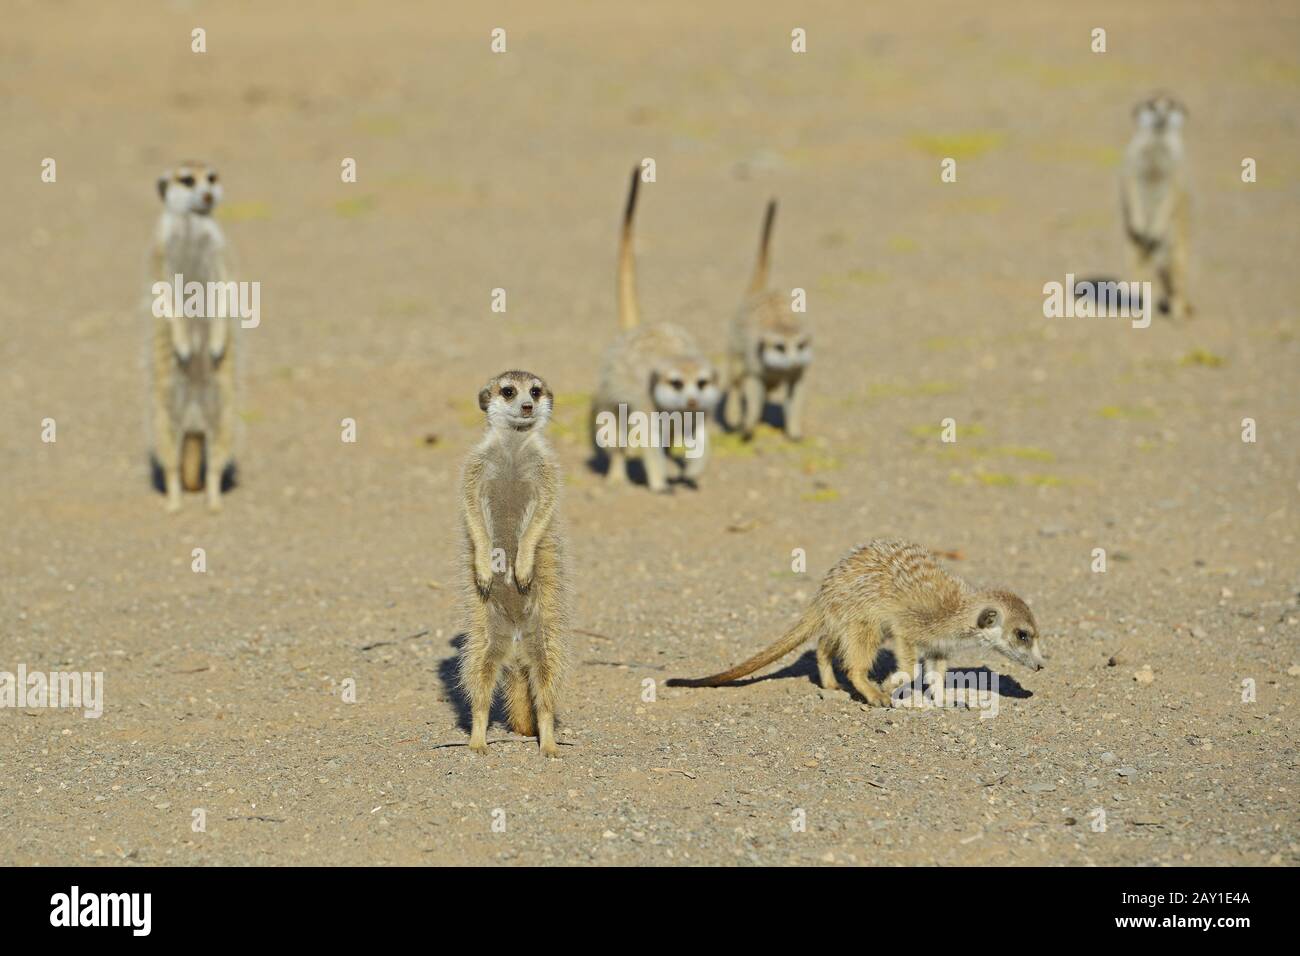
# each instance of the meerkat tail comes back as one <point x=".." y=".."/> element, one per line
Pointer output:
<point x="192" y="462"/>
<point x="628" y="314"/>
<point x="792" y="639"/>
<point x="759" y="282"/>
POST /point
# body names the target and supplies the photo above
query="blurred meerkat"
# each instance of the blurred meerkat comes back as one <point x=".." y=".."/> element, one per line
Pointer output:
<point x="193" y="364"/>
<point x="892" y="590"/>
<point x="652" y="369"/>
<point x="515" y="591"/>
<point x="1154" y="194"/>
<point x="771" y="349"/>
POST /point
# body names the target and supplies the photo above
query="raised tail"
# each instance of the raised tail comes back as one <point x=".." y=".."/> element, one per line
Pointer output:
<point x="628" y="314"/>
<point x="759" y="282"/>
<point x="792" y="639"/>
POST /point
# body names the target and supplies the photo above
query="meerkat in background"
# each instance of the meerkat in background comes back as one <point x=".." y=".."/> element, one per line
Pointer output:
<point x="771" y="349"/>
<point x="193" y="364"/>
<point x="515" y="593"/>
<point x="656" y="370"/>
<point x="892" y="590"/>
<point x="1154" y="193"/>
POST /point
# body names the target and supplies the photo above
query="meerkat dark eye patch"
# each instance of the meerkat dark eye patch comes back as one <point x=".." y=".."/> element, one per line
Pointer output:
<point x="1023" y="635"/>
<point x="535" y="392"/>
<point x="677" y="383"/>
<point x="507" y="392"/>
<point x="187" y="181"/>
<point x="212" y="177"/>
<point x="988" y="617"/>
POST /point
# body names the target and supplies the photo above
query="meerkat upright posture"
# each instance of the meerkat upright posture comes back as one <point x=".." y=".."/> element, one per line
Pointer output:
<point x="892" y="590"/>
<point x="1154" y="194"/>
<point x="654" y="371"/>
<point x="193" y="364"/>
<point x="514" y="589"/>
<point x="771" y="349"/>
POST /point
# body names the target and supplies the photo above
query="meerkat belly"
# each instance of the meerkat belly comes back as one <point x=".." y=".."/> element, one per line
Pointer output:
<point x="510" y="504"/>
<point x="196" y="394"/>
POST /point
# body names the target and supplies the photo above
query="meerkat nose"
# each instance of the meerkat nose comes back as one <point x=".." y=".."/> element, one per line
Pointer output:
<point x="527" y="408"/>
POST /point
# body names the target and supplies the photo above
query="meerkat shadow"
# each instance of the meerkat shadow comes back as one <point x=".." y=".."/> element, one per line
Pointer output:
<point x="981" y="677"/>
<point x="1096" y="290"/>
<point x="773" y="415"/>
<point x="449" y="674"/>
<point x="229" y="476"/>
<point x="636" y="474"/>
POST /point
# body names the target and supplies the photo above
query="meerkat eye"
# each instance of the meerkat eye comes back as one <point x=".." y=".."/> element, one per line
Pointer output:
<point x="703" y="383"/>
<point x="535" y="392"/>
<point x="677" y="383"/>
<point x="187" y="181"/>
<point x="805" y="343"/>
<point x="212" y="177"/>
<point x="780" y="346"/>
<point x="507" y="392"/>
<point x="1023" y="635"/>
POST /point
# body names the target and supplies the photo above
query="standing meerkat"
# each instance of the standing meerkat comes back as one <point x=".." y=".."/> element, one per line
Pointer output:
<point x="515" y="593"/>
<point x="771" y="349"/>
<point x="657" y="371"/>
<point x="892" y="590"/>
<point x="192" y="356"/>
<point x="1154" y="195"/>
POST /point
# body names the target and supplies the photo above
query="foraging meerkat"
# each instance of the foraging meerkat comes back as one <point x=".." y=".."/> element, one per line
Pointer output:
<point x="894" y="590"/>
<point x="1154" y="196"/>
<point x="193" y="364"/>
<point x="515" y="593"/>
<point x="655" y="370"/>
<point x="771" y="349"/>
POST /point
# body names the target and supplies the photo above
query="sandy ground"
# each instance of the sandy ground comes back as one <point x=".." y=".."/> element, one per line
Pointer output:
<point x="335" y="562"/>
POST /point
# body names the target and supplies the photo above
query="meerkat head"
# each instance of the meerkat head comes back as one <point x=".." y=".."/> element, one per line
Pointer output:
<point x="784" y="344"/>
<point x="516" y="401"/>
<point x="1159" y="114"/>
<point x="684" y="385"/>
<point x="785" y="352"/>
<point x="1003" y="622"/>
<point x="190" y="187"/>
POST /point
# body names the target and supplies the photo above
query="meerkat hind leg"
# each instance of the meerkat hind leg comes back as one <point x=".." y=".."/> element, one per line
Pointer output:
<point x="859" y="654"/>
<point x="826" y="663"/>
<point x="731" y="408"/>
<point x="168" y="450"/>
<point x="755" y="397"/>
<point x="519" y="702"/>
<point x="482" y="664"/>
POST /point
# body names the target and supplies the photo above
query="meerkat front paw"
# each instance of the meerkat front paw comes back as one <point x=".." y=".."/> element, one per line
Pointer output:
<point x="551" y="750"/>
<point x="523" y="571"/>
<point x="483" y="576"/>
<point x="479" y="747"/>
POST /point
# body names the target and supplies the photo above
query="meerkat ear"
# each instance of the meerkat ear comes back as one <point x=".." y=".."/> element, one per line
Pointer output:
<point x="483" y="397"/>
<point x="989" y="617"/>
<point x="162" y="186"/>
